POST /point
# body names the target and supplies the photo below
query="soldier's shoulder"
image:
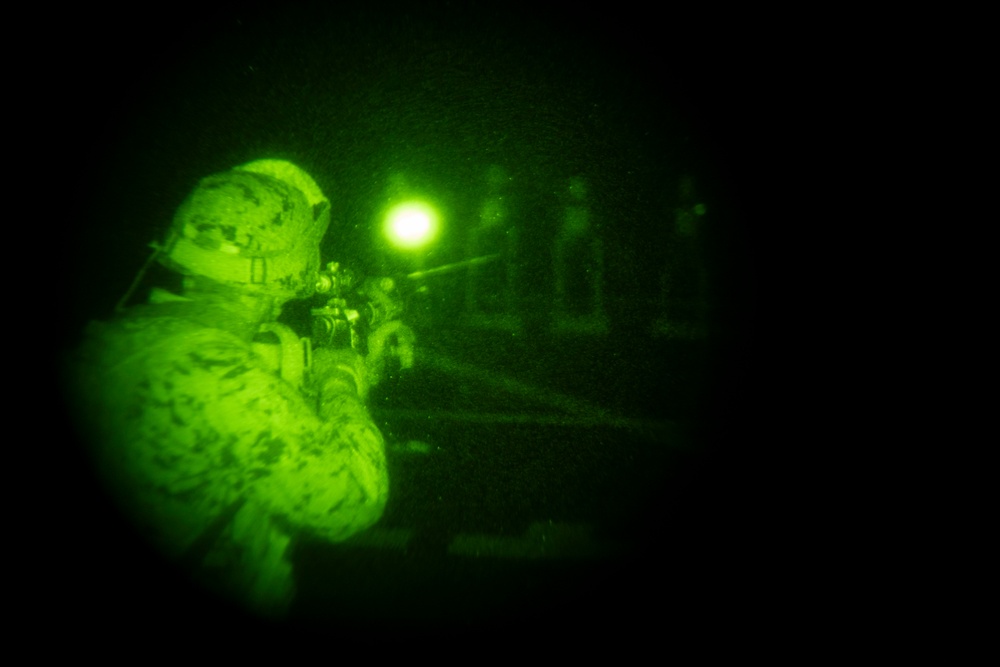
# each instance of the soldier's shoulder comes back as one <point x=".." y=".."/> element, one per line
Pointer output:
<point x="150" y="332"/>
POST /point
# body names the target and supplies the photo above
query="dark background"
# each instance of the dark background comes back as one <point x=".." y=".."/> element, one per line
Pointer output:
<point x="628" y="98"/>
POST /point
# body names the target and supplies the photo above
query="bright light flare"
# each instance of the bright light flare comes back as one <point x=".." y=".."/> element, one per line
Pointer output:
<point x="411" y="225"/>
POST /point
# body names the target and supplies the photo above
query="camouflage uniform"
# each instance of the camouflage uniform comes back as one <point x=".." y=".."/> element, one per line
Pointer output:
<point x="217" y="453"/>
<point x="217" y="458"/>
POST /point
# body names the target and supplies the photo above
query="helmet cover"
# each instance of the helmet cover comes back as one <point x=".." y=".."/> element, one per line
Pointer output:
<point x="256" y="227"/>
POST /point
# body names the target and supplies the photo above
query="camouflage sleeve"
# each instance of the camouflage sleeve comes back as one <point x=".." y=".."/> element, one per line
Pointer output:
<point x="199" y="422"/>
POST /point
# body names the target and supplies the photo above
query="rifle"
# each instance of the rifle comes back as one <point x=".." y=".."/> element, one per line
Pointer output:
<point x="355" y="308"/>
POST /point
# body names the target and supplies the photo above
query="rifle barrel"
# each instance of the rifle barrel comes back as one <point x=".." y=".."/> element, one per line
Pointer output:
<point x="448" y="268"/>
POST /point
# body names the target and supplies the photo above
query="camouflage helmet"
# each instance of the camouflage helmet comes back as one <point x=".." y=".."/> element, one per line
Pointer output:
<point x="257" y="227"/>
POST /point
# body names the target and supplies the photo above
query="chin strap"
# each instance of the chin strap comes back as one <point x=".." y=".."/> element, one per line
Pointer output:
<point x="120" y="306"/>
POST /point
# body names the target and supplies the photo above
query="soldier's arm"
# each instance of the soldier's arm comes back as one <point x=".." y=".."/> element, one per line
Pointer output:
<point x="320" y="468"/>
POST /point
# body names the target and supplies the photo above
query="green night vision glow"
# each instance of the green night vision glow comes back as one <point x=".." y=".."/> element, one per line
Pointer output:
<point x="411" y="225"/>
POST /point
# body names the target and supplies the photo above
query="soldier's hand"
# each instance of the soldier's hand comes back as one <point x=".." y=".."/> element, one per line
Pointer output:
<point x="339" y="371"/>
